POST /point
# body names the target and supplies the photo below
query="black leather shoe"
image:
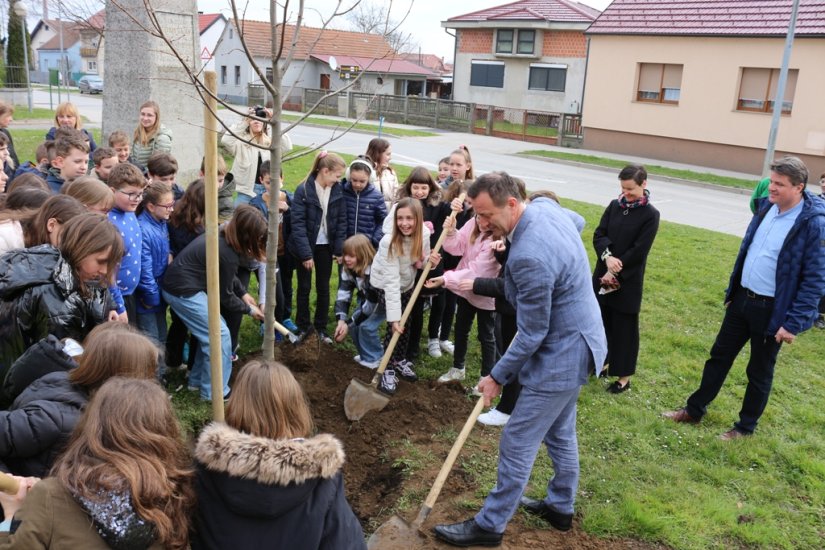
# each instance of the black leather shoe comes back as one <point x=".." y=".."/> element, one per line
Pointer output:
<point x="562" y="522"/>
<point x="467" y="533"/>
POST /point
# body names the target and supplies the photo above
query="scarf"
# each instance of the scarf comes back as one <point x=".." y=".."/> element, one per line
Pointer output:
<point x="624" y="205"/>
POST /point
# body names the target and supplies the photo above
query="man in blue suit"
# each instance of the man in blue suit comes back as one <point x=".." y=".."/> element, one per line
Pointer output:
<point x="560" y="339"/>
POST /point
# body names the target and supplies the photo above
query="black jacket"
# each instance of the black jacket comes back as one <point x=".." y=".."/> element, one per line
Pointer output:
<point x="629" y="236"/>
<point x="494" y="286"/>
<point x="40" y="295"/>
<point x="34" y="431"/>
<point x="255" y="492"/>
<point x="306" y="220"/>
<point x="44" y="357"/>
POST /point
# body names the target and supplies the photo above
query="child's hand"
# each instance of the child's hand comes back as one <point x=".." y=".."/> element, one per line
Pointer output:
<point x="282" y="206"/>
<point x="498" y="246"/>
<point x="457" y="205"/>
<point x="435" y="258"/>
<point x="435" y="282"/>
<point x="256" y="313"/>
<point x="12" y="503"/>
<point x="338" y="259"/>
<point x="340" y="331"/>
<point x="396" y="327"/>
<point x="449" y="225"/>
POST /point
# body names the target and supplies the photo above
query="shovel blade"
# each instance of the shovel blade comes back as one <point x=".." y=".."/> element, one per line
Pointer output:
<point x="362" y="398"/>
<point x="395" y="533"/>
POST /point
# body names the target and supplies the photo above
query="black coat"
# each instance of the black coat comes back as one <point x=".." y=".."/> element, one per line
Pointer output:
<point x="40" y="295"/>
<point x="629" y="235"/>
<point x="34" y="431"/>
<point x="306" y="220"/>
<point x="256" y="493"/>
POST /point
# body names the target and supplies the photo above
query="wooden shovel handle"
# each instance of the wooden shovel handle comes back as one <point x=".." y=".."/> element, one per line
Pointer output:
<point x="429" y="502"/>
<point x="8" y="484"/>
<point x="281" y="328"/>
<point x="408" y="310"/>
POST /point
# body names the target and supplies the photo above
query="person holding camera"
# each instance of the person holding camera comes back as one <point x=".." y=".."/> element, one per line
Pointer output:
<point x="248" y="142"/>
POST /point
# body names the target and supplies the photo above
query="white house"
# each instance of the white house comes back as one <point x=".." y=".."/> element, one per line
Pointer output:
<point x="211" y="27"/>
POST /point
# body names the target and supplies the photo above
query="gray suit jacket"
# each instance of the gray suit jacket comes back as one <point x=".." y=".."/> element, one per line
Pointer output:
<point x="547" y="277"/>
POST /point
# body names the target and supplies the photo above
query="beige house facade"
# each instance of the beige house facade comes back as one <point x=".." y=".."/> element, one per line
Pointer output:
<point x="704" y="100"/>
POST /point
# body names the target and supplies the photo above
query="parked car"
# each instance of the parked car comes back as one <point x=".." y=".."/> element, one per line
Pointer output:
<point x="91" y="84"/>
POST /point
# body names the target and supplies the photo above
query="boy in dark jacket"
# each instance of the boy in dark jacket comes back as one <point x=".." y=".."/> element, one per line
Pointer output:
<point x="71" y="159"/>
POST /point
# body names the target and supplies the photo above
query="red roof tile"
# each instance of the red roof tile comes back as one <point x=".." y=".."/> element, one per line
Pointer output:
<point x="329" y="41"/>
<point x="205" y="20"/>
<point x="71" y="34"/>
<point x="430" y="61"/>
<point x="710" y="18"/>
<point x="382" y="66"/>
<point x="533" y="10"/>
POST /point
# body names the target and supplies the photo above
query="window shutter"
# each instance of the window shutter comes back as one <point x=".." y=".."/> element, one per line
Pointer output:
<point x="672" y="76"/>
<point x="754" y="83"/>
<point x="650" y="77"/>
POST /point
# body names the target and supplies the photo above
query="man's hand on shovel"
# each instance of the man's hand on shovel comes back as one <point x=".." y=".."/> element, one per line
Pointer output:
<point x="489" y="388"/>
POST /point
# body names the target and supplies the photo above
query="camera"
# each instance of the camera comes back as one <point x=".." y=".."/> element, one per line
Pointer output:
<point x="260" y="112"/>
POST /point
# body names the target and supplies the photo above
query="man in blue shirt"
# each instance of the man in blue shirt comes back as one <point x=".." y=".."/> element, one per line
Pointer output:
<point x="775" y="288"/>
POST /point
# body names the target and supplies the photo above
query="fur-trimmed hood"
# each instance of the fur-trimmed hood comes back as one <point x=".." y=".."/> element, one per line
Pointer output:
<point x="265" y="478"/>
<point x="224" y="449"/>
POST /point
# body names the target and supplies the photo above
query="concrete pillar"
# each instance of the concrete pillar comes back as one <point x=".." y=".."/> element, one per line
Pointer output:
<point x="140" y="67"/>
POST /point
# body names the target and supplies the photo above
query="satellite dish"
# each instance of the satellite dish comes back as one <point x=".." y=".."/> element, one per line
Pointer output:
<point x="333" y="63"/>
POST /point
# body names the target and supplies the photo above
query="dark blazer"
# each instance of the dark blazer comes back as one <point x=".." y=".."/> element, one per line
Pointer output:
<point x="629" y="236"/>
<point x="306" y="220"/>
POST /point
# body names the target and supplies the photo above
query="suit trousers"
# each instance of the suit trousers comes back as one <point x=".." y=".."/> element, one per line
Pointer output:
<point x="745" y="319"/>
<point x="539" y="416"/>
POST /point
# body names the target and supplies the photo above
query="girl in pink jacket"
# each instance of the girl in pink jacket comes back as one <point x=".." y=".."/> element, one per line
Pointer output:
<point x="477" y="260"/>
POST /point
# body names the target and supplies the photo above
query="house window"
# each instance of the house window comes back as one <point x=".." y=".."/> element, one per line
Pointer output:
<point x="757" y="90"/>
<point x="231" y="34"/>
<point x="548" y="77"/>
<point x="659" y="83"/>
<point x="524" y="40"/>
<point x="487" y="73"/>
<point x="223" y="74"/>
<point x="269" y="74"/>
<point x="324" y="83"/>
<point x="504" y="40"/>
<point x="92" y="65"/>
<point x="237" y="75"/>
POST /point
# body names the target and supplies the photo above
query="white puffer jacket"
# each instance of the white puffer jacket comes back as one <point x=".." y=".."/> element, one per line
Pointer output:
<point x="396" y="274"/>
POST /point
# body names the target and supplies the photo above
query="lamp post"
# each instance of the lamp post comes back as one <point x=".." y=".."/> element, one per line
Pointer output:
<point x="21" y="12"/>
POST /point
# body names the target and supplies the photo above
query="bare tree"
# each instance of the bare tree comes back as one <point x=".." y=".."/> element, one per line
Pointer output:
<point x="373" y="17"/>
<point x="287" y="26"/>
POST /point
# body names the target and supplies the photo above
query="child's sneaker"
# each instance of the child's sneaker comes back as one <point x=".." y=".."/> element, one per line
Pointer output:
<point x="405" y="370"/>
<point x="388" y="383"/>
<point x="452" y="374"/>
<point x="290" y="326"/>
<point x="447" y="347"/>
<point x="324" y="337"/>
<point x="371" y="366"/>
<point x="433" y="348"/>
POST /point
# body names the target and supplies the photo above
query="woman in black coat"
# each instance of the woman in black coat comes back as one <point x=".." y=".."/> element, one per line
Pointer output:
<point x="262" y="480"/>
<point x="622" y="242"/>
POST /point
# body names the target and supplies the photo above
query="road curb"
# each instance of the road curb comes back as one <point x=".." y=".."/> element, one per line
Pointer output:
<point x="689" y="183"/>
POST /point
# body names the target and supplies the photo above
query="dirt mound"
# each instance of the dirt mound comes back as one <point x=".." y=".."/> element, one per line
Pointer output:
<point x="422" y="419"/>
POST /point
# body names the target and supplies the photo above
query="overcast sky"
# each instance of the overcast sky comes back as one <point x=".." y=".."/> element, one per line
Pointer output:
<point x="423" y="21"/>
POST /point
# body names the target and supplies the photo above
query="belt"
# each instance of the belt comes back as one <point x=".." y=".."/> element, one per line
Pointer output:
<point x="754" y="296"/>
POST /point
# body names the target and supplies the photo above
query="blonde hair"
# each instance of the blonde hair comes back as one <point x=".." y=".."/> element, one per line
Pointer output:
<point x="360" y="247"/>
<point x="142" y="135"/>
<point x="90" y="191"/>
<point x="267" y="401"/>
<point x="68" y="109"/>
<point x="114" y="349"/>
<point x="327" y="160"/>
<point x="397" y="242"/>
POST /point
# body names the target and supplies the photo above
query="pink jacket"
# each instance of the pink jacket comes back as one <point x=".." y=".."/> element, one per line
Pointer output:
<point x="477" y="260"/>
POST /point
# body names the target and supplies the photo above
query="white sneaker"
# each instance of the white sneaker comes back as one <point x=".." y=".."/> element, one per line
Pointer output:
<point x="433" y="348"/>
<point x="367" y="364"/>
<point x="357" y="358"/>
<point x="493" y="417"/>
<point x="447" y="347"/>
<point x="452" y="374"/>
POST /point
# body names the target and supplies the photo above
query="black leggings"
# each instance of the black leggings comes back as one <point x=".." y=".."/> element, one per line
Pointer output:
<point x="322" y="256"/>
<point x="401" y="350"/>
<point x="506" y="329"/>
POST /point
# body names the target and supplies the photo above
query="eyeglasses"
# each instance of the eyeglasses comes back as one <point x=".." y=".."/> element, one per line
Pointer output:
<point x="132" y="196"/>
<point x="170" y="206"/>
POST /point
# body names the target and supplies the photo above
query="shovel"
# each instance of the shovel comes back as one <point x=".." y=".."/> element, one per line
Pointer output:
<point x="361" y="398"/>
<point x="8" y="484"/>
<point x="304" y="350"/>
<point x="291" y="336"/>
<point x="397" y="533"/>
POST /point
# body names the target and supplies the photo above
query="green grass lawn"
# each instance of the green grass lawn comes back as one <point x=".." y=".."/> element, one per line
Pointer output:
<point x="342" y="124"/>
<point x="21" y="112"/>
<point x="652" y="169"/>
<point x="510" y="127"/>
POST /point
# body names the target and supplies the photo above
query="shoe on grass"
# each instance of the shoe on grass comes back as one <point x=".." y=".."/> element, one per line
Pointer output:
<point x="433" y="348"/>
<point x="452" y="374"/>
<point x="446" y="346"/>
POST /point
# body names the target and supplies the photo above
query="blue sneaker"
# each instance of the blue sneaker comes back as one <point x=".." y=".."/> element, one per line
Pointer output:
<point x="290" y="326"/>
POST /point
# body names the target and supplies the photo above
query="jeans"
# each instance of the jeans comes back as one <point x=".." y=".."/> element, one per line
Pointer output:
<point x="486" y="335"/>
<point x="193" y="311"/>
<point x="365" y="336"/>
<point x="242" y="198"/>
<point x="153" y="325"/>
<point x="322" y="256"/>
<point x="539" y="416"/>
<point x="745" y="319"/>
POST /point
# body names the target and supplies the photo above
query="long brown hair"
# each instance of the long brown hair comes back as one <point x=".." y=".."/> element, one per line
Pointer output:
<point x="90" y="191"/>
<point x="58" y="207"/>
<point x="375" y="148"/>
<point x="189" y="210"/>
<point x="397" y="243"/>
<point x="360" y="247"/>
<point x="114" y="349"/>
<point x="420" y="174"/>
<point x="128" y="438"/>
<point x="143" y="135"/>
<point x="246" y="232"/>
<point x="87" y="234"/>
<point x="267" y="401"/>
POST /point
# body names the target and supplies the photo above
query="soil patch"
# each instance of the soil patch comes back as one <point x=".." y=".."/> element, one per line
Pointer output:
<point x="417" y="427"/>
